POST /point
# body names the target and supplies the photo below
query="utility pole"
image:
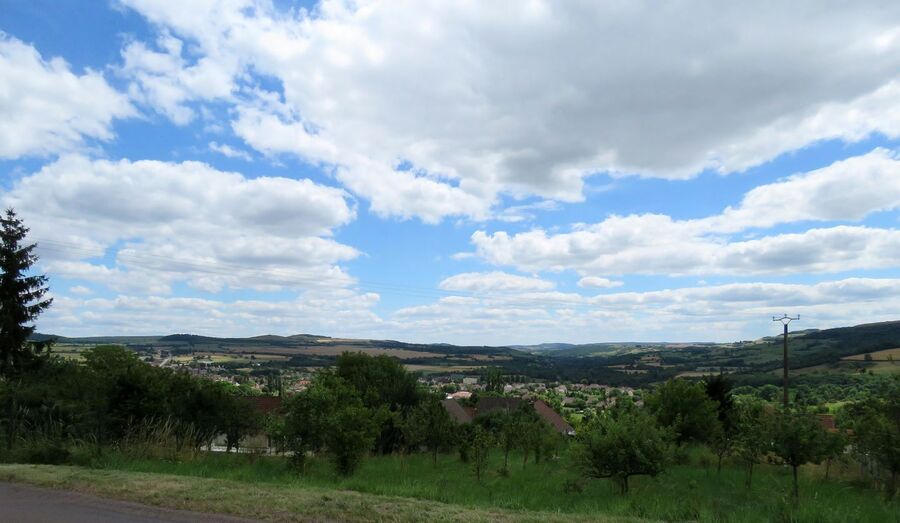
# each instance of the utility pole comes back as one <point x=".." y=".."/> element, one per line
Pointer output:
<point x="785" y="320"/>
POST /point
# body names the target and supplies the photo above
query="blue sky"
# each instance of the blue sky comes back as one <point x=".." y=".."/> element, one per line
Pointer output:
<point x="455" y="172"/>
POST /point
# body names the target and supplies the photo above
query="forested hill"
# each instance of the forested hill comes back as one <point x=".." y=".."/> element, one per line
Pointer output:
<point x="863" y="348"/>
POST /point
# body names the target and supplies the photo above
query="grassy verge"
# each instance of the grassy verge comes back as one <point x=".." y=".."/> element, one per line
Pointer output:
<point x="265" y="501"/>
<point x="690" y="492"/>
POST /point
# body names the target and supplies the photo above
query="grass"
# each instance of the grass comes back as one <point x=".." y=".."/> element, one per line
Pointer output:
<point x="685" y="493"/>
<point x="265" y="501"/>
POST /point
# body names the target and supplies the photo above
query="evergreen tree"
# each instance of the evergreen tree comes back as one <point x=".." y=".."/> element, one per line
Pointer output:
<point x="21" y="296"/>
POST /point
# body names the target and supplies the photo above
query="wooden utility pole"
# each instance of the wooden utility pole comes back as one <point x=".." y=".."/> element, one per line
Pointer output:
<point x="785" y="320"/>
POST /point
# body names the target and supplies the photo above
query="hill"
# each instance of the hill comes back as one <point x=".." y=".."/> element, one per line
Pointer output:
<point x="813" y="352"/>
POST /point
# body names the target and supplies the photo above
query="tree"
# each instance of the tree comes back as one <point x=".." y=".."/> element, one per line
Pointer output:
<point x="753" y="438"/>
<point x="625" y="442"/>
<point x="482" y="441"/>
<point x="538" y="437"/>
<point x="721" y="436"/>
<point x="330" y="415"/>
<point x="383" y="384"/>
<point x="876" y="425"/>
<point x="684" y="407"/>
<point x="430" y="425"/>
<point x="797" y="439"/>
<point x="21" y="295"/>
<point x="494" y="380"/>
<point x="239" y="420"/>
<point x="506" y="428"/>
<point x="464" y="434"/>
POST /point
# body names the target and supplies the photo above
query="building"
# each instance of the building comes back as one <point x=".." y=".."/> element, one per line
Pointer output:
<point x="489" y="405"/>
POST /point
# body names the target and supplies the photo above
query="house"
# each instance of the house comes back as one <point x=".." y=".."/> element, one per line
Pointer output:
<point x="551" y="416"/>
<point x="460" y="395"/>
<point x="489" y="405"/>
<point x="459" y="413"/>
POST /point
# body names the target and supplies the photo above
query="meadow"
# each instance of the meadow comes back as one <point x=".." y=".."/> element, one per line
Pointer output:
<point x="692" y="491"/>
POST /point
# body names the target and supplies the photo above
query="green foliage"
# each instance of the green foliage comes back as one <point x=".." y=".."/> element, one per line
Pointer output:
<point x="239" y="420"/>
<point x="753" y="437"/>
<point x="482" y="442"/>
<point x="429" y="425"/>
<point x="624" y="443"/>
<point x="493" y="379"/>
<point x="382" y="383"/>
<point x="330" y="415"/>
<point x="797" y="439"/>
<point x="876" y="424"/>
<point x="21" y="297"/>
<point x="684" y="407"/>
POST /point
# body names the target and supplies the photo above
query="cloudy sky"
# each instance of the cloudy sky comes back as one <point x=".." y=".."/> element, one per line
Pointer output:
<point x="466" y="171"/>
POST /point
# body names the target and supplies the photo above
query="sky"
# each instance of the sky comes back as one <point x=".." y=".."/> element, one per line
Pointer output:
<point x="467" y="172"/>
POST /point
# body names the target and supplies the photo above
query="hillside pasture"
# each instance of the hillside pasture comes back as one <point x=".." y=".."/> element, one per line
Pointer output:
<point x="693" y="491"/>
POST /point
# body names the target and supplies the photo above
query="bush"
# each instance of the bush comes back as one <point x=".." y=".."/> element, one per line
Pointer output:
<point x="46" y="453"/>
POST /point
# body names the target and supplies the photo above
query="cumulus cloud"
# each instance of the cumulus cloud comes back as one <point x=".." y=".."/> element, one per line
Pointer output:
<point x="847" y="190"/>
<point x="723" y="312"/>
<point x="337" y="313"/>
<point x="482" y="100"/>
<point x="229" y="151"/>
<point x="165" y="81"/>
<point x="598" y="282"/>
<point x="165" y="222"/>
<point x="45" y="108"/>
<point x="493" y="281"/>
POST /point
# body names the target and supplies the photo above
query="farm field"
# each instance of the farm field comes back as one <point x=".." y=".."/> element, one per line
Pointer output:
<point x="880" y="355"/>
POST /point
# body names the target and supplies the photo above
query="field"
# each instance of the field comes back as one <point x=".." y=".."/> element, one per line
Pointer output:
<point x="689" y="492"/>
<point x="881" y="355"/>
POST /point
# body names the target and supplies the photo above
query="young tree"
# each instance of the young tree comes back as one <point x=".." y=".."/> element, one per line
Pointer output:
<point x="539" y="438"/>
<point x="684" y="407"/>
<point x="753" y="437"/>
<point x="464" y="434"/>
<point x="482" y="442"/>
<point x="624" y="443"/>
<point x="876" y="424"/>
<point x="239" y="420"/>
<point x="330" y="415"/>
<point x="722" y="435"/>
<point x="21" y="295"/>
<point x="430" y="425"/>
<point x="797" y="439"/>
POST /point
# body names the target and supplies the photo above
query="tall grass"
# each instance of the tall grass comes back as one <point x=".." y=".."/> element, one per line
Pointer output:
<point x="689" y="492"/>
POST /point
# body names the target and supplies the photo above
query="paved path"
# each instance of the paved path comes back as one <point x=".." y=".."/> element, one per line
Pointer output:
<point x="25" y="504"/>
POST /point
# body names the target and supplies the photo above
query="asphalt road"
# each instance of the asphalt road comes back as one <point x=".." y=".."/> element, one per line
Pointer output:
<point x="25" y="504"/>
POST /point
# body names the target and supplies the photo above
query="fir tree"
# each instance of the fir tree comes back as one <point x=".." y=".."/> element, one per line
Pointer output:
<point x="21" y="296"/>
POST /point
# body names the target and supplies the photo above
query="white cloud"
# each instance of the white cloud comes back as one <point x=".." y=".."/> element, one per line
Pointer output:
<point x="847" y="190"/>
<point x="45" y="108"/>
<point x="482" y="100"/>
<point x="165" y="222"/>
<point x="229" y="152"/>
<point x="337" y="313"/>
<point x="492" y="282"/>
<point x="710" y="313"/>
<point x="652" y="244"/>
<point x="598" y="282"/>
